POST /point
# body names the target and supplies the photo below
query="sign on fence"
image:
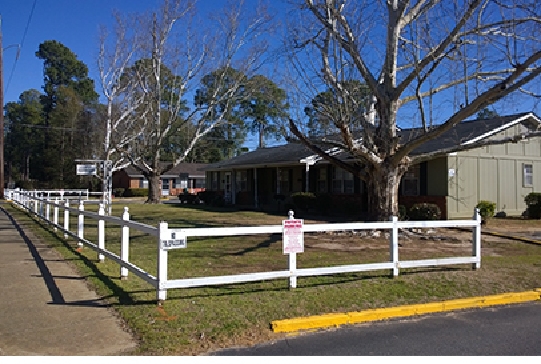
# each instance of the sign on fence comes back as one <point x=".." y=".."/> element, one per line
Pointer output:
<point x="176" y="242"/>
<point x="292" y="236"/>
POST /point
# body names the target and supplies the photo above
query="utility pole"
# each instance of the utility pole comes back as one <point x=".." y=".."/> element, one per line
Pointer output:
<point x="1" y="114"/>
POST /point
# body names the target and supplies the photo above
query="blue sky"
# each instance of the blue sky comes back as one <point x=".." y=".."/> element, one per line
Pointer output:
<point x="74" y="23"/>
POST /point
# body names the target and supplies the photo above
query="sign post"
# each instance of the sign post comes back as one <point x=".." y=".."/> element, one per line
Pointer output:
<point x="90" y="168"/>
<point x="293" y="243"/>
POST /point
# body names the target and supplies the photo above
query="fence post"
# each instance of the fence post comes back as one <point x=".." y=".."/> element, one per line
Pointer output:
<point x="476" y="239"/>
<point x="47" y="210"/>
<point x="161" y="293"/>
<point x="55" y="214"/>
<point x="124" y="244"/>
<point x="66" y="218"/>
<point x="36" y="210"/>
<point x="40" y="205"/>
<point x="101" y="233"/>
<point x="81" y="224"/>
<point x="292" y="260"/>
<point x="394" y="245"/>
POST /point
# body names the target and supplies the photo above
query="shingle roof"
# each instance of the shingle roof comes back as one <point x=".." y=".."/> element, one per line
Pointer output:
<point x="293" y="152"/>
<point x="460" y="133"/>
<point x="192" y="169"/>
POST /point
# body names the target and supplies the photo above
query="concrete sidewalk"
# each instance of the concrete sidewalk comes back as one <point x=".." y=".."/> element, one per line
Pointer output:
<point x="46" y="308"/>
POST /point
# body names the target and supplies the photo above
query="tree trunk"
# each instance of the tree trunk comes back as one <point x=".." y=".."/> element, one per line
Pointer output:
<point x="382" y="191"/>
<point x="153" y="188"/>
<point x="261" y="135"/>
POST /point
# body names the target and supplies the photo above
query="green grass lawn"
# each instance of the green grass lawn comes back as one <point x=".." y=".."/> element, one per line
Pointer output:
<point x="197" y="320"/>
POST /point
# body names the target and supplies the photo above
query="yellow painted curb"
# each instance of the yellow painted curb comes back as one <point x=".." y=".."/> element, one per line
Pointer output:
<point x="310" y="322"/>
<point x="378" y="314"/>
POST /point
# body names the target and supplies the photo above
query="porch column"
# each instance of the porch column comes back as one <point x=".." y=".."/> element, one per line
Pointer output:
<point x="278" y="180"/>
<point x="307" y="184"/>
<point x="307" y="162"/>
<point x="233" y="187"/>
<point x="256" y="200"/>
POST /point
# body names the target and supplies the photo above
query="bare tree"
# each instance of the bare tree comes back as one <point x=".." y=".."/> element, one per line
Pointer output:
<point x="174" y="54"/>
<point x="116" y="54"/>
<point x="411" y="54"/>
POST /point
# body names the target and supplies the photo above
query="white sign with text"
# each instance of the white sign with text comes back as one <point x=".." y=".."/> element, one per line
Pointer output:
<point x="292" y="236"/>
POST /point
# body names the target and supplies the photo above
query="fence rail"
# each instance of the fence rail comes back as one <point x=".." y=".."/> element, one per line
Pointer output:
<point x="168" y="239"/>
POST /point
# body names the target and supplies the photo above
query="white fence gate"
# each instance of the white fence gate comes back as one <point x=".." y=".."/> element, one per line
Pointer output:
<point x="178" y="238"/>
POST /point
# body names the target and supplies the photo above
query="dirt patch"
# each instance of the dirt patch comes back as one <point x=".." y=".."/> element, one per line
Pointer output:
<point x="418" y="240"/>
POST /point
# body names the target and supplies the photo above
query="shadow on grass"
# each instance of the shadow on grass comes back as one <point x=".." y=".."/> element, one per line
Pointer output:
<point x="265" y="244"/>
<point x="248" y="288"/>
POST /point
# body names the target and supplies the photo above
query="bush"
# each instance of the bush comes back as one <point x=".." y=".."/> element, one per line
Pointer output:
<point x="206" y="196"/>
<point x="350" y="207"/>
<point x="533" y="201"/>
<point x="218" y="201"/>
<point x="118" y="192"/>
<point x="136" y="192"/>
<point x="25" y="185"/>
<point x="324" y="202"/>
<point x="303" y="200"/>
<point x="486" y="209"/>
<point x="424" y="211"/>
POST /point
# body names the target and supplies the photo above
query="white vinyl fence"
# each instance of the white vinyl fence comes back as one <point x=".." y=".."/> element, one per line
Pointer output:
<point x="292" y="231"/>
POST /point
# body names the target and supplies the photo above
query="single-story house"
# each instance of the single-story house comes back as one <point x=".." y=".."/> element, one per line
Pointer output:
<point x="189" y="177"/>
<point x="456" y="182"/>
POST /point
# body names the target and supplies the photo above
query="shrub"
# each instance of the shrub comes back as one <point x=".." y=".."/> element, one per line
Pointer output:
<point x="289" y="206"/>
<point x="206" y="196"/>
<point x="303" y="200"/>
<point x="424" y="211"/>
<point x="486" y="209"/>
<point x="533" y="201"/>
<point x="25" y="185"/>
<point x="218" y="201"/>
<point x="350" y="207"/>
<point x="136" y="192"/>
<point x="324" y="202"/>
<point x="118" y="192"/>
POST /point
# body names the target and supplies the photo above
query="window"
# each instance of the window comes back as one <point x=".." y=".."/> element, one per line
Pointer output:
<point x="199" y="183"/>
<point x="410" y="182"/>
<point x="322" y="180"/>
<point x="183" y="183"/>
<point x="241" y="181"/>
<point x="527" y="175"/>
<point x="143" y="182"/>
<point x="342" y="181"/>
<point x="214" y="181"/>
<point x="283" y="181"/>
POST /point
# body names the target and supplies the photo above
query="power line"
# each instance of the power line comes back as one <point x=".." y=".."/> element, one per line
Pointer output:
<point x="21" y="45"/>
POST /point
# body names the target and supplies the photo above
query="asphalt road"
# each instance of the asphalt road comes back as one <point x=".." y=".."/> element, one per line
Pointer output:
<point x="498" y="331"/>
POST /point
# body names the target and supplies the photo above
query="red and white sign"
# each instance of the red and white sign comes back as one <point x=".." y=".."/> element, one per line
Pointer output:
<point x="292" y="236"/>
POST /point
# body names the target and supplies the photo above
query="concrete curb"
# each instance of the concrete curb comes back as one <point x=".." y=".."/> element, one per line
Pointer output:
<point x="378" y="314"/>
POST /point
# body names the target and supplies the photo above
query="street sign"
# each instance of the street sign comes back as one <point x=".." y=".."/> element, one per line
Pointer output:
<point x="86" y="169"/>
<point x="292" y="236"/>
